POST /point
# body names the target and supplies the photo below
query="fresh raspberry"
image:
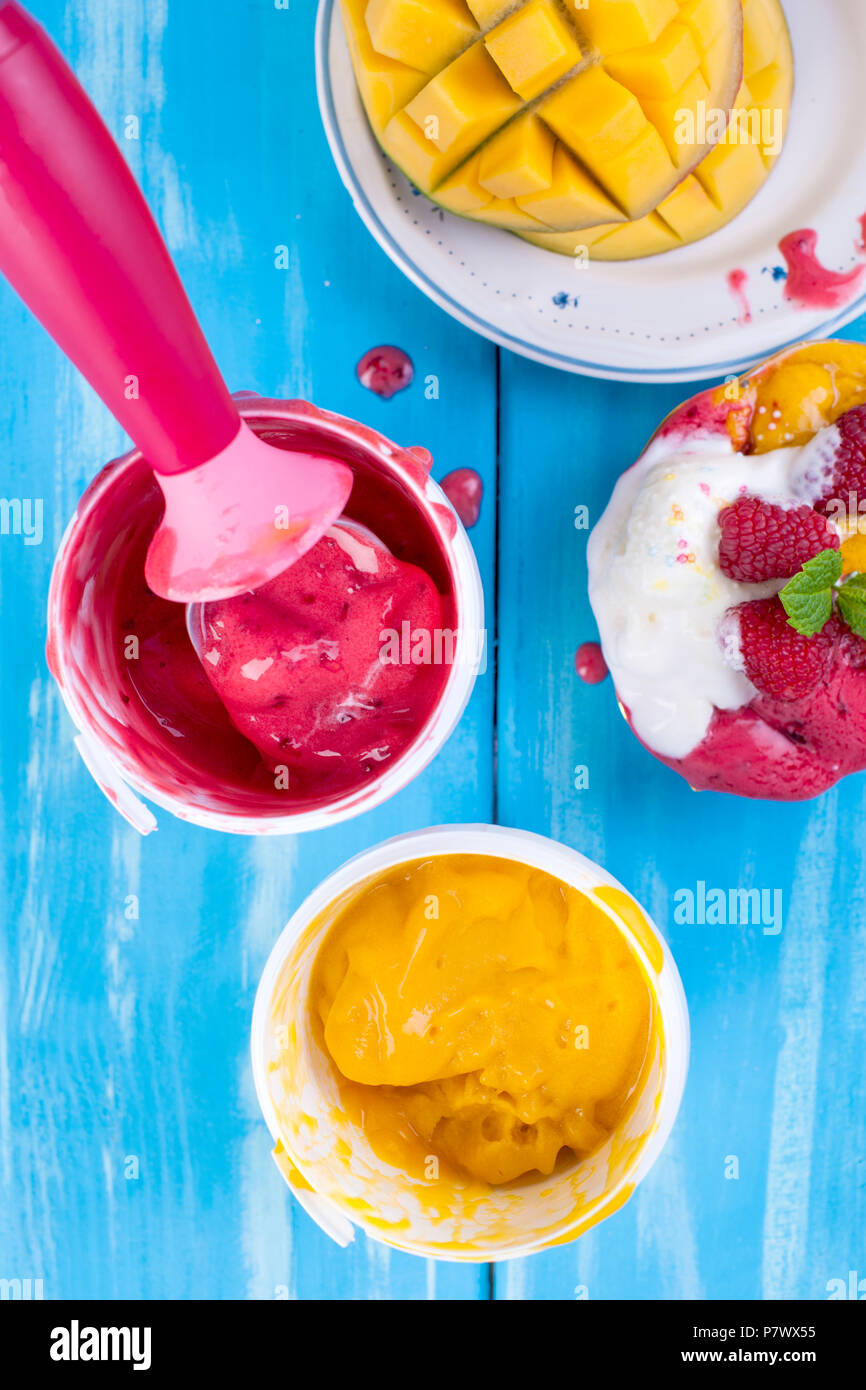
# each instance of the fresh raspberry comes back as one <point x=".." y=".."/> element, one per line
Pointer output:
<point x="849" y="465"/>
<point x="762" y="541"/>
<point x="778" y="660"/>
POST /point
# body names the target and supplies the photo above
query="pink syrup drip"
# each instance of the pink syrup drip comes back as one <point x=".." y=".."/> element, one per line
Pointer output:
<point x="464" y="490"/>
<point x="809" y="283"/>
<point x="590" y="663"/>
<point x="385" y="371"/>
<point x="737" y="282"/>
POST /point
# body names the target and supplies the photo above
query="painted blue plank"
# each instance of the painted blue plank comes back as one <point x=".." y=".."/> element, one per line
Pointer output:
<point x="127" y="1040"/>
<point x="120" y="1039"/>
<point x="779" y="1021"/>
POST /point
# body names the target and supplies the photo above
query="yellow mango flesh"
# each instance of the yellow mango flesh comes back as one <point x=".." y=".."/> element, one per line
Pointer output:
<point x="385" y="86"/>
<point x="623" y="24"/>
<point x="573" y="198"/>
<point x="533" y="48"/>
<point x="613" y="83"/>
<point x="423" y="34"/>
<point x="732" y="173"/>
<point x="810" y="387"/>
<point x="482" y="1013"/>
<point x="518" y="160"/>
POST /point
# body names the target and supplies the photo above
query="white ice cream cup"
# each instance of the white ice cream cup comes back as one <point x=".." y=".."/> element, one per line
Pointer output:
<point x="327" y="1160"/>
<point x="84" y="655"/>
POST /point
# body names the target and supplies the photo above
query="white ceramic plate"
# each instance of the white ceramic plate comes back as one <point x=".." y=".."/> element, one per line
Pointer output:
<point x="667" y="318"/>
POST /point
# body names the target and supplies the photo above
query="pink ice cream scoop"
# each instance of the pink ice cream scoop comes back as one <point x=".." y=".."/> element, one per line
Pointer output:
<point x="81" y="248"/>
<point x="690" y="572"/>
<point x="311" y="667"/>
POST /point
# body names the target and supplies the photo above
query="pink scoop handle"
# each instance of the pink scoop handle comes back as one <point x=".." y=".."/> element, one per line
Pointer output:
<point x="79" y="244"/>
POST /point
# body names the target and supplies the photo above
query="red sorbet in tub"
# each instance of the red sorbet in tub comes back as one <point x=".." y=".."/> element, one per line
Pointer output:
<point x="309" y="667"/>
<point x="725" y="576"/>
<point x="301" y="697"/>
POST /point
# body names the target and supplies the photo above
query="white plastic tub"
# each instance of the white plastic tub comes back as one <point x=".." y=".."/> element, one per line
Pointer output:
<point x="332" y="1169"/>
<point x="82" y="645"/>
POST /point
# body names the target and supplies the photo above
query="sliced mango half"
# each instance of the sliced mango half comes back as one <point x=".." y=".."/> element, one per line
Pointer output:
<point x="728" y="177"/>
<point x="562" y="111"/>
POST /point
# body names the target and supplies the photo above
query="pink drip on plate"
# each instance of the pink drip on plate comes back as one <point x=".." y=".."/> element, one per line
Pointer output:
<point x="737" y="282"/>
<point x="810" y="284"/>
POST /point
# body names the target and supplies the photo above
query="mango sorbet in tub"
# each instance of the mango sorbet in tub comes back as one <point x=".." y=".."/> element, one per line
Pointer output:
<point x="471" y="1042"/>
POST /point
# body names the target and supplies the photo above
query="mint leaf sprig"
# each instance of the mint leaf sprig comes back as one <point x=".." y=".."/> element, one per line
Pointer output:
<point x="809" y="598"/>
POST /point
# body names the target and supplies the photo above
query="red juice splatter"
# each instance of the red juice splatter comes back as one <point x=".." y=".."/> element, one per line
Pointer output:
<point x="861" y="244"/>
<point x="737" y="282"/>
<point x="590" y="663"/>
<point x="464" y="490"/>
<point x="385" y="371"/>
<point x="810" y="284"/>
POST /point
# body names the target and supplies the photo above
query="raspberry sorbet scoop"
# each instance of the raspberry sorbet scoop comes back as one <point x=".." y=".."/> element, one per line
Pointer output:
<point x="728" y="579"/>
<point x="312" y="667"/>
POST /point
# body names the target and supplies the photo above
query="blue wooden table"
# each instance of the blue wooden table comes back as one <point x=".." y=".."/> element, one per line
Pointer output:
<point x="133" y="1160"/>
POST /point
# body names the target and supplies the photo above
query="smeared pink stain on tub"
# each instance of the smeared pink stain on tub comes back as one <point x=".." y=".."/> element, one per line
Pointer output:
<point x="385" y="371"/>
<point x="448" y="520"/>
<point x="809" y="283"/>
<point x="737" y="282"/>
<point x="590" y="663"/>
<point x="861" y="244"/>
<point x="464" y="490"/>
<point x="418" y="462"/>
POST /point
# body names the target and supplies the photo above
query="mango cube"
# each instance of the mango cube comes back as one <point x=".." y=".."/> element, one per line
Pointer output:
<point x="420" y="160"/>
<point x="661" y="69"/>
<point x="762" y="27"/>
<point x="487" y="12"/>
<point x="689" y="210"/>
<point x="604" y="125"/>
<point x="519" y="160"/>
<point x="533" y="48"/>
<point x="573" y="198"/>
<point x="384" y="84"/>
<point x="464" y="104"/>
<point x="705" y="19"/>
<point x="424" y="34"/>
<point x="462" y="191"/>
<point x="727" y="168"/>
<point x="616" y="25"/>
<point x="667" y="117"/>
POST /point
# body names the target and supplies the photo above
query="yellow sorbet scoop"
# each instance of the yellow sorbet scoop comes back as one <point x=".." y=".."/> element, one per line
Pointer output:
<point x="482" y="1013"/>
